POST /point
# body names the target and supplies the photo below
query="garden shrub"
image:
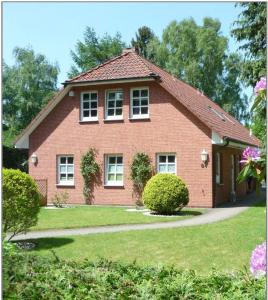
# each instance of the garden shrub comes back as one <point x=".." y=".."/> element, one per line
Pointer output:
<point x="165" y="194"/>
<point x="26" y="276"/>
<point x="60" y="199"/>
<point x="21" y="201"/>
<point x="141" y="172"/>
<point x="89" y="170"/>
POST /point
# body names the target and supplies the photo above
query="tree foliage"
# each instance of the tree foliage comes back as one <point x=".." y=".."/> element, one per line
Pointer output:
<point x="198" y="55"/>
<point x="143" y="37"/>
<point x="27" y="87"/>
<point x="94" y="50"/>
<point x="250" y="30"/>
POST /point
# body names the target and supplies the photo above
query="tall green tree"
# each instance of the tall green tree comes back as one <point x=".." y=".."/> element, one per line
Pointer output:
<point x="198" y="55"/>
<point x="27" y="87"/>
<point x="250" y="31"/>
<point x="142" y="39"/>
<point x="94" y="50"/>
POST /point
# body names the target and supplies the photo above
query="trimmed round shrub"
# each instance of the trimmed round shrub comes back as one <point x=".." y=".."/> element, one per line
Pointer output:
<point x="165" y="194"/>
<point x="21" y="201"/>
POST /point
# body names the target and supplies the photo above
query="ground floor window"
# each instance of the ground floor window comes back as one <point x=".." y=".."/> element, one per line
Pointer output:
<point x="218" y="168"/>
<point x="114" y="170"/>
<point x="65" y="170"/>
<point x="166" y="163"/>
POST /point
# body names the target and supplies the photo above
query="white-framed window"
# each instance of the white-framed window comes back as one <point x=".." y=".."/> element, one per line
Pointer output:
<point x="166" y="163"/>
<point x="114" y="105"/>
<point x="65" y="169"/>
<point x="218" y="168"/>
<point x="89" y="106"/>
<point x="114" y="170"/>
<point x="139" y="98"/>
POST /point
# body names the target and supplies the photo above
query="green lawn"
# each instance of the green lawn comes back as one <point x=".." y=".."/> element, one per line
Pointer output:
<point x="226" y="245"/>
<point x="89" y="216"/>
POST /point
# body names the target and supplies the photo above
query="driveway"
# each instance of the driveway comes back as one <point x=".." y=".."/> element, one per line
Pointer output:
<point x="213" y="215"/>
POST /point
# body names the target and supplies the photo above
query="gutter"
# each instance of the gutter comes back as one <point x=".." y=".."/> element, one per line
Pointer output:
<point x="152" y="76"/>
<point x="227" y="141"/>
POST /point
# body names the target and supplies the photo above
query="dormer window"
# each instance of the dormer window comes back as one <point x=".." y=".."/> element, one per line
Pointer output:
<point x="114" y="105"/>
<point x="89" y="106"/>
<point x="139" y="98"/>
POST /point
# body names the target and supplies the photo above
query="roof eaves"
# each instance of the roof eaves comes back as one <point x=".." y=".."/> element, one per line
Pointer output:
<point x="103" y="81"/>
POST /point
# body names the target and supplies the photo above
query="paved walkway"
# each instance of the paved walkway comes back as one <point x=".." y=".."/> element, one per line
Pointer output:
<point x="213" y="215"/>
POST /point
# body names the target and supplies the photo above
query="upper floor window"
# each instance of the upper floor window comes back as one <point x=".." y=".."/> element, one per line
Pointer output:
<point x="89" y="106"/>
<point x="139" y="103"/>
<point x="166" y="163"/>
<point x="114" y="105"/>
<point x="66" y="170"/>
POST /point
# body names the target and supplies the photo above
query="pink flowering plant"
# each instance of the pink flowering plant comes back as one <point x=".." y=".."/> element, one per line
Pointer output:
<point x="254" y="165"/>
<point x="258" y="261"/>
<point x="254" y="161"/>
<point x="260" y="93"/>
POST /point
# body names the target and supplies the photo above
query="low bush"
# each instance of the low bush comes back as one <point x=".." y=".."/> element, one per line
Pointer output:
<point x="21" y="201"/>
<point x="32" y="277"/>
<point x="165" y="194"/>
<point x="60" y="199"/>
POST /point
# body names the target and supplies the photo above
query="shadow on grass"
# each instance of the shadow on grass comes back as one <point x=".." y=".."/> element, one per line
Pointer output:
<point x="49" y="243"/>
<point x="180" y="213"/>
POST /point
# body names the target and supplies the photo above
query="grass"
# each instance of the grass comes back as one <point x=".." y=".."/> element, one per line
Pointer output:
<point x="90" y="216"/>
<point x="226" y="245"/>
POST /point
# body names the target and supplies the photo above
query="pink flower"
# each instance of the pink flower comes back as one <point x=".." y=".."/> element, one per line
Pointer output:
<point x="258" y="261"/>
<point x="260" y="85"/>
<point x="250" y="154"/>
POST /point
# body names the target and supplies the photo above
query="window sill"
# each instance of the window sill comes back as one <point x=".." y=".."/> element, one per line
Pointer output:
<point x="89" y="121"/>
<point x="65" y="185"/>
<point x="118" y="186"/>
<point x="220" y="184"/>
<point x="114" y="120"/>
<point x="139" y="119"/>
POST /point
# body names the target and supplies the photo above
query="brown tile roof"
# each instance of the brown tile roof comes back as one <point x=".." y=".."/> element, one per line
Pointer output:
<point x="128" y="65"/>
<point x="131" y="65"/>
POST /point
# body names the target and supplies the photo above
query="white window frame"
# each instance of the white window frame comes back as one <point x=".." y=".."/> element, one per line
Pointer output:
<point x="86" y="119"/>
<point x="167" y="163"/>
<point x="113" y="182"/>
<point x="119" y="117"/>
<point x="139" y="116"/>
<point x="59" y="164"/>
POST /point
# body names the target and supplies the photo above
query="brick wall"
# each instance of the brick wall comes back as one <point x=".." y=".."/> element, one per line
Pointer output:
<point x="171" y="128"/>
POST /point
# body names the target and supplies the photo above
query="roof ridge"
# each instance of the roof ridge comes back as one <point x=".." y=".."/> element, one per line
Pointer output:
<point x="98" y="66"/>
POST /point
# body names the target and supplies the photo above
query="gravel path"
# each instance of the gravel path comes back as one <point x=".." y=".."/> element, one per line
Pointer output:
<point x="211" y="216"/>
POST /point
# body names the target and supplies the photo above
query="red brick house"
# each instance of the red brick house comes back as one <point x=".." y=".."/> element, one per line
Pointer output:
<point x="129" y="105"/>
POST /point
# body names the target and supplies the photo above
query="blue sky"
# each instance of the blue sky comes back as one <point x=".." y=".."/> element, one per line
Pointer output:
<point x="54" y="28"/>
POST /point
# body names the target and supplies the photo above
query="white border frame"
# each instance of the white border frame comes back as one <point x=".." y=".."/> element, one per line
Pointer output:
<point x="166" y="154"/>
<point x="88" y="119"/>
<point x="106" y="105"/>
<point x="136" y="117"/>
<point x="112" y="183"/>
<point x="66" y="182"/>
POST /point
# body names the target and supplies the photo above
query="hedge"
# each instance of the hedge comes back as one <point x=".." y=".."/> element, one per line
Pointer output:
<point x="32" y="277"/>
